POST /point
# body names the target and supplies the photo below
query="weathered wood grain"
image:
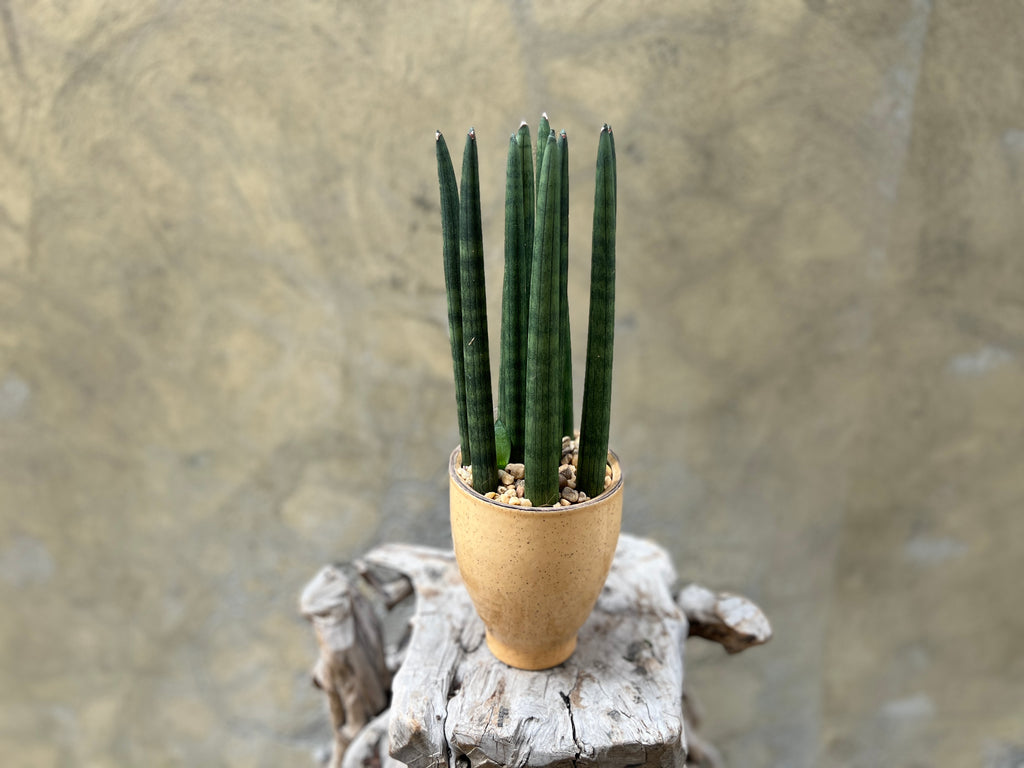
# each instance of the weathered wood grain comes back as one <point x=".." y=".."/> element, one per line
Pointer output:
<point x="616" y="702"/>
<point x="351" y="668"/>
<point x="443" y="629"/>
<point x="370" y="748"/>
<point x="733" y="621"/>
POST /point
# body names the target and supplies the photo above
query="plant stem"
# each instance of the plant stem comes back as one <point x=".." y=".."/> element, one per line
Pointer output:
<point x="597" y="391"/>
<point x="474" y="325"/>
<point x="450" y="253"/>
<point x="543" y="447"/>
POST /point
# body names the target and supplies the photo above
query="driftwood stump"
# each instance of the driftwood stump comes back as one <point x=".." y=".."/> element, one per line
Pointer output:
<point x="618" y="701"/>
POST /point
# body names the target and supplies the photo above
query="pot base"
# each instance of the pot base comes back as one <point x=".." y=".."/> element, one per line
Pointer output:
<point x="542" y="658"/>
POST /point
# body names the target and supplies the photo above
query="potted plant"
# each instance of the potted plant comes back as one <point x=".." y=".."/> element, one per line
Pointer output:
<point x="535" y="514"/>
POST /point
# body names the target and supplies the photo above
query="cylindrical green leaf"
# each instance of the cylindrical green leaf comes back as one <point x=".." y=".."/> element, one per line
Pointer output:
<point x="479" y="400"/>
<point x="450" y="254"/>
<point x="543" y="129"/>
<point x="529" y="200"/>
<point x="564" y="340"/>
<point x="514" y="307"/>
<point x="597" y="391"/>
<point x="543" y="447"/>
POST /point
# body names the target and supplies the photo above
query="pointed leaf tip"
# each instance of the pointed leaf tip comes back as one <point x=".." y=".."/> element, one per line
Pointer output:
<point x="437" y="135"/>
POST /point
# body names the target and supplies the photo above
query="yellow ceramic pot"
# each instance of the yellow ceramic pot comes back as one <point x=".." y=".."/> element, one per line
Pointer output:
<point x="534" y="573"/>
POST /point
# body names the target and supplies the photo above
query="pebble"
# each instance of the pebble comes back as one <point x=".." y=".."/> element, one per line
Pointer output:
<point x="512" y="489"/>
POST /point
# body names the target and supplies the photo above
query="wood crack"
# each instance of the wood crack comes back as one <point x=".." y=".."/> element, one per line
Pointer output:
<point x="567" y="699"/>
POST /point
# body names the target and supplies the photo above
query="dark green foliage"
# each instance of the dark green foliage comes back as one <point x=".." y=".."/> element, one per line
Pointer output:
<point x="450" y="248"/>
<point x="535" y="386"/>
<point x="479" y="400"/>
<point x="597" y="388"/>
<point x="543" y="445"/>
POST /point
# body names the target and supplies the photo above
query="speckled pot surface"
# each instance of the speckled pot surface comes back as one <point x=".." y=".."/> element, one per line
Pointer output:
<point x="534" y="573"/>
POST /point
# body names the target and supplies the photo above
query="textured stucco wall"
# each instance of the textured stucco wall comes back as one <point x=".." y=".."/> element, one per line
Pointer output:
<point x="223" y="358"/>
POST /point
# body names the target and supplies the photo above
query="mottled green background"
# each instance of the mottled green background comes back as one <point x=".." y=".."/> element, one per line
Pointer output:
<point x="223" y="353"/>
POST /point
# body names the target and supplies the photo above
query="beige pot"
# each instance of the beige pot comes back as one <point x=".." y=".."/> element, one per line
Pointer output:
<point x="534" y="573"/>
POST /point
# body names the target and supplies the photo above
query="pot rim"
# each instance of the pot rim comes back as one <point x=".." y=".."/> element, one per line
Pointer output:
<point x="616" y="485"/>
